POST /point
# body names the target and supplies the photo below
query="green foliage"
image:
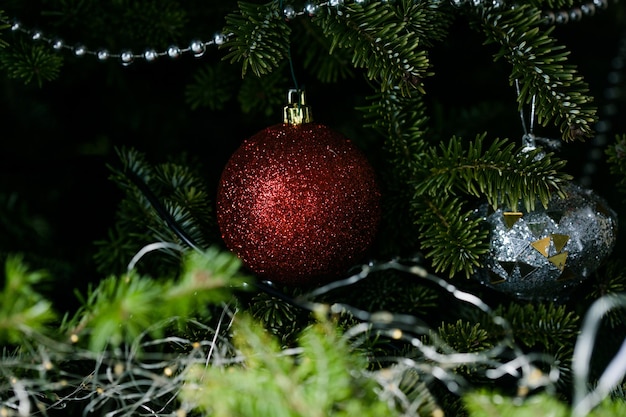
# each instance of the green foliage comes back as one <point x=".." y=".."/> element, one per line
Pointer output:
<point x="3" y="26"/>
<point x="212" y="87"/>
<point x="402" y="121"/>
<point x="259" y="37"/>
<point x="323" y="379"/>
<point x="454" y="239"/>
<point x="499" y="174"/>
<point x="616" y="158"/>
<point x="207" y="278"/>
<point x="609" y="280"/>
<point x="546" y="325"/>
<point x="23" y="310"/>
<point x="159" y="201"/>
<point x="311" y="45"/>
<point x="264" y="94"/>
<point x="463" y="336"/>
<point x="121" y="308"/>
<point x="154" y="23"/>
<point x="489" y="403"/>
<point x="387" y="39"/>
<point x="118" y="310"/>
<point x="279" y="317"/>
<point x="30" y="63"/>
<point x="390" y="291"/>
<point x="539" y="64"/>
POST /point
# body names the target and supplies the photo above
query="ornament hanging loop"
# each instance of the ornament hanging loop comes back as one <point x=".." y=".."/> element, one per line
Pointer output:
<point x="529" y="140"/>
<point x="296" y="112"/>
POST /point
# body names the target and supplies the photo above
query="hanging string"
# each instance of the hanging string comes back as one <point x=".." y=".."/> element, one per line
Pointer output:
<point x="289" y="11"/>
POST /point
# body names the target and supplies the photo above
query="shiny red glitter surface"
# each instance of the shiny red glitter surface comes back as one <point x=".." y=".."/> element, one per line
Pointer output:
<point x="298" y="204"/>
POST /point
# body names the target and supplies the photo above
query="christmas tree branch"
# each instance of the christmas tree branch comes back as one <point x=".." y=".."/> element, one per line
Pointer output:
<point x="384" y="40"/>
<point x="454" y="240"/>
<point x="154" y="195"/>
<point x="539" y="64"/>
<point x="258" y="37"/>
<point x="498" y="173"/>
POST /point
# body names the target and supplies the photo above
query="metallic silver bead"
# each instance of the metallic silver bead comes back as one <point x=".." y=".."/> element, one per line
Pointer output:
<point x="103" y="54"/>
<point x="601" y="3"/>
<point x="311" y="9"/>
<point x="37" y="35"/>
<point x="198" y="48"/>
<point x="575" y="14"/>
<point x="150" y="55"/>
<point x="588" y="9"/>
<point x="173" y="51"/>
<point x="57" y="44"/>
<point x="219" y="39"/>
<point x="335" y="3"/>
<point x="80" y="50"/>
<point x="549" y="17"/>
<point x="16" y="26"/>
<point x="562" y="17"/>
<point x="361" y="2"/>
<point x="289" y="12"/>
<point x="127" y="58"/>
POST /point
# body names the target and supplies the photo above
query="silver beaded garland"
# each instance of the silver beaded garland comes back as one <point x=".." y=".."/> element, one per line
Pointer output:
<point x="311" y="8"/>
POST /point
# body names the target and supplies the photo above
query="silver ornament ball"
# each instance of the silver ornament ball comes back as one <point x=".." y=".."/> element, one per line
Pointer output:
<point x="543" y="254"/>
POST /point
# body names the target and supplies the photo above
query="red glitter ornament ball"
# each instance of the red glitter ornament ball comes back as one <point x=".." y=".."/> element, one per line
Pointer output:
<point x="299" y="204"/>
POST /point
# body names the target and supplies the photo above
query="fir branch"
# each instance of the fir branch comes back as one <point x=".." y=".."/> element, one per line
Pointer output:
<point x="384" y="40"/>
<point x="311" y="44"/>
<point x="3" y="26"/>
<point x="539" y="64"/>
<point x="121" y="308"/>
<point x="162" y="203"/>
<point x="455" y="241"/>
<point x="401" y="120"/>
<point x="30" y="63"/>
<point x="485" y="403"/>
<point x="611" y="279"/>
<point x="212" y="87"/>
<point x="498" y="173"/>
<point x="324" y="379"/>
<point x="23" y="310"/>
<point x="264" y="94"/>
<point x="258" y="37"/>
<point x="463" y="336"/>
<point x="491" y="403"/>
<point x="547" y="325"/>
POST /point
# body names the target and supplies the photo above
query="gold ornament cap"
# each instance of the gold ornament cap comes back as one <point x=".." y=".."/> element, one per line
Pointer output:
<point x="296" y="112"/>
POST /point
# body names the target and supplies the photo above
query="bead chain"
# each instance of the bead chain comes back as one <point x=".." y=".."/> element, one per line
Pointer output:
<point x="127" y="57"/>
<point x="613" y="91"/>
<point x="199" y="47"/>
